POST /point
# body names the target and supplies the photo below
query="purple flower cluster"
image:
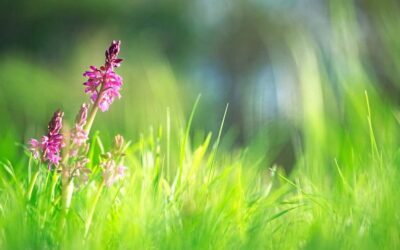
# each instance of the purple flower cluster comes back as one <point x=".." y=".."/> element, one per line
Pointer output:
<point x="49" y="147"/>
<point x="103" y="84"/>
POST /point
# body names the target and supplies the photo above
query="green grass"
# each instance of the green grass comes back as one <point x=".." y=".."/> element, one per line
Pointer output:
<point x="188" y="190"/>
<point x="342" y="194"/>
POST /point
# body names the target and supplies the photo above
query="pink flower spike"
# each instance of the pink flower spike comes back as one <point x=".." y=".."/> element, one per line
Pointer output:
<point x="78" y="134"/>
<point x="49" y="147"/>
<point x="112" y="173"/>
<point x="103" y="82"/>
<point x="55" y="123"/>
<point x="82" y="115"/>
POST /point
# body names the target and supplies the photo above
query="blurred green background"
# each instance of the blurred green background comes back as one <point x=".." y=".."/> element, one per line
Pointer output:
<point x="280" y="64"/>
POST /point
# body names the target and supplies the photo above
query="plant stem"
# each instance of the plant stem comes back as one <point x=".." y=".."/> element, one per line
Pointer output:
<point x="92" y="115"/>
<point x="94" y="110"/>
<point x="66" y="192"/>
<point x="53" y="186"/>
<point x="32" y="184"/>
<point x="93" y="208"/>
<point x="67" y="188"/>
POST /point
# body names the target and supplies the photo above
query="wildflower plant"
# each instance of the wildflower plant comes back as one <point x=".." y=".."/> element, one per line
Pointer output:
<point x="48" y="148"/>
<point x="66" y="151"/>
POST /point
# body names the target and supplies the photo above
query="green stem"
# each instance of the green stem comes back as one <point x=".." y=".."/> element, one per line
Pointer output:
<point x="53" y="186"/>
<point x="67" y="181"/>
<point x="32" y="185"/>
<point x="93" y="208"/>
<point x="67" y="188"/>
<point x="66" y="192"/>
<point x="93" y="111"/>
<point x="91" y="117"/>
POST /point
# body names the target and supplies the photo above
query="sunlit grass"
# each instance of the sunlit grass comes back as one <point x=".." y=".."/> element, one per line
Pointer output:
<point x="178" y="196"/>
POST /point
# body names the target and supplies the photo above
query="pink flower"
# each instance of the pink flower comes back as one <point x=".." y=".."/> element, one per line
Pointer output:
<point x="95" y="79"/>
<point x="112" y="163"/>
<point x="104" y="84"/>
<point x="81" y="172"/>
<point x="121" y="171"/>
<point x="78" y="134"/>
<point x="35" y="148"/>
<point x="112" y="173"/>
<point x="49" y="147"/>
<point x="111" y="87"/>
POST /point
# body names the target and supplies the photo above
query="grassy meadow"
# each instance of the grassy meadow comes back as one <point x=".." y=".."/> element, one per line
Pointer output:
<point x="188" y="185"/>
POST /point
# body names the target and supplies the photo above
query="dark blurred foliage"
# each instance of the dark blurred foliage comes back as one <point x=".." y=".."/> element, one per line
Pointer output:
<point x="48" y="29"/>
